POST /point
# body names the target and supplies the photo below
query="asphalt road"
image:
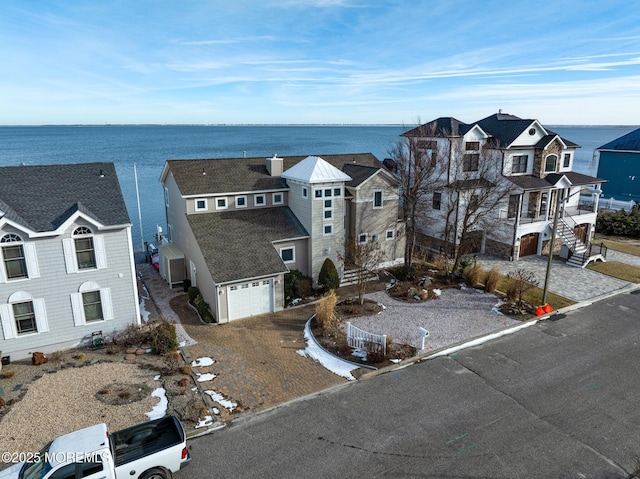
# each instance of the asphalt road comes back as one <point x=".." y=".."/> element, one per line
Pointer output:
<point x="559" y="399"/>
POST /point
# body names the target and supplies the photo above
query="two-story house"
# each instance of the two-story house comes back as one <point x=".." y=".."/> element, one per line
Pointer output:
<point x="235" y="226"/>
<point x="530" y="169"/>
<point x="67" y="269"/>
<point x="619" y="163"/>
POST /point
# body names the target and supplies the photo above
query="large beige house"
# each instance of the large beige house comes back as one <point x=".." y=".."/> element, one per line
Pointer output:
<point x="235" y="226"/>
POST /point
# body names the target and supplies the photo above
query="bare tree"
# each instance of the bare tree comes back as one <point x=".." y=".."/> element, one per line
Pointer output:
<point x="365" y="256"/>
<point x="419" y="165"/>
<point x="475" y="192"/>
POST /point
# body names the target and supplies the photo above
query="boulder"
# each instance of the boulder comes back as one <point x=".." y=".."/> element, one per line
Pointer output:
<point x="38" y="358"/>
<point x="3" y="403"/>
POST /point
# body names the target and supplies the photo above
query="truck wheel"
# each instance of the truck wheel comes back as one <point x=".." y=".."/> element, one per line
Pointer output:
<point x="155" y="474"/>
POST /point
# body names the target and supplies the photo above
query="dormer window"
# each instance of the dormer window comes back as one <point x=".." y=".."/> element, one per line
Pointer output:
<point x="519" y="163"/>
<point x="566" y="160"/>
<point x="472" y="146"/>
<point x="84" y="251"/>
<point x="201" y="204"/>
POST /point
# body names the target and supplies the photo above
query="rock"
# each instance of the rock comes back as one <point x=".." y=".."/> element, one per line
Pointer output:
<point x="38" y="359"/>
<point x="130" y="357"/>
<point x="3" y="403"/>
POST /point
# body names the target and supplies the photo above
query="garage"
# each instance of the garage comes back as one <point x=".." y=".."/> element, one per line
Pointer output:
<point x="249" y="299"/>
<point x="529" y="244"/>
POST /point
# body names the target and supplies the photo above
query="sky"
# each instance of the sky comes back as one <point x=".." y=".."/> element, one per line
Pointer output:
<point x="318" y="61"/>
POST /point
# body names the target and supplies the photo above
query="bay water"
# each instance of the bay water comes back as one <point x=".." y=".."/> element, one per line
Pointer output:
<point x="149" y="146"/>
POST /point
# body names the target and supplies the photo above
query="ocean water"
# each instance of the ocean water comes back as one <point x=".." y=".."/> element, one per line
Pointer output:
<point x="149" y="146"/>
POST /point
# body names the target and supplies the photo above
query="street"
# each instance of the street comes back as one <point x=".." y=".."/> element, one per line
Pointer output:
<point x="558" y="399"/>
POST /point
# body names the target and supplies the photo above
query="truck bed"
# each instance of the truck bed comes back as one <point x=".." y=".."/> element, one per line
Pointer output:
<point x="145" y="439"/>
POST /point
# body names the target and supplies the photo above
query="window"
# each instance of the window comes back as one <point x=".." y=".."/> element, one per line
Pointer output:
<point x="241" y="201"/>
<point x="85" y="252"/>
<point x="472" y="146"/>
<point x="543" y="204"/>
<point x="513" y="206"/>
<point x="328" y="203"/>
<point x="327" y="230"/>
<point x="22" y="315"/>
<point x="221" y="203"/>
<point x="92" y="306"/>
<point x="277" y="199"/>
<point x="25" y="317"/>
<point x="519" y="163"/>
<point x="305" y="192"/>
<point x="259" y="200"/>
<point x="362" y="238"/>
<point x="474" y="201"/>
<point x="567" y="160"/>
<point x="337" y="192"/>
<point x="550" y="164"/>
<point x="166" y="197"/>
<point x="389" y="234"/>
<point x="201" y="205"/>
<point x="327" y="193"/>
<point x="91" y="303"/>
<point x="437" y="199"/>
<point x="318" y="193"/>
<point x="288" y="255"/>
<point x="15" y="262"/>
<point x="328" y="214"/>
<point x="470" y="162"/>
<point x="426" y="144"/>
<point x="377" y="199"/>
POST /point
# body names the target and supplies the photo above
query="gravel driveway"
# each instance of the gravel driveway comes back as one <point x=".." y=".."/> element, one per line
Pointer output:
<point x="457" y="315"/>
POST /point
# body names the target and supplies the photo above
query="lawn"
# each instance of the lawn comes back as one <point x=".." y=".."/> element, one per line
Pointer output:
<point x="619" y="243"/>
<point x="618" y="270"/>
<point x="533" y="296"/>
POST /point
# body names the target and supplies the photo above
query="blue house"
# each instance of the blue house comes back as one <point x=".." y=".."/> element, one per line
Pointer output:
<point x="619" y="164"/>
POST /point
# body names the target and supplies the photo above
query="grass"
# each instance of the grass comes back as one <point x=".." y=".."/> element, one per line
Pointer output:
<point x="618" y="270"/>
<point x="534" y="296"/>
<point x="618" y="243"/>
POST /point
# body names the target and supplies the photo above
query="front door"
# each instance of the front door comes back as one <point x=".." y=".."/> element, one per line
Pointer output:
<point x="581" y="232"/>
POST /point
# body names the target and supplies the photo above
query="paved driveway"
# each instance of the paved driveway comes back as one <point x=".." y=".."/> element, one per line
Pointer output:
<point x="578" y="284"/>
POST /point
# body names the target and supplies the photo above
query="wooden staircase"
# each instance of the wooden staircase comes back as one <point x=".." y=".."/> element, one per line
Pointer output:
<point x="351" y="277"/>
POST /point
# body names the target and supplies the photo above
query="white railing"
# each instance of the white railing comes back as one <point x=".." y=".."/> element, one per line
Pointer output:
<point x="615" y="205"/>
<point x="358" y="338"/>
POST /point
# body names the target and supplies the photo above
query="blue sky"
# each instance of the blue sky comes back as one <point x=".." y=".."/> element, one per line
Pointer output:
<point x="318" y="61"/>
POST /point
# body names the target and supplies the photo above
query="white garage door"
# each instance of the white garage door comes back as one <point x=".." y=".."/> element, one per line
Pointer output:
<point x="249" y="299"/>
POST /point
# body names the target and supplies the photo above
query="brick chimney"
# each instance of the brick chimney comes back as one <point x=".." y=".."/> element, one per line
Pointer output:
<point x="274" y="165"/>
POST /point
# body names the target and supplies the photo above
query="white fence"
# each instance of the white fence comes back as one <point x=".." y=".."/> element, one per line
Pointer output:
<point x="358" y="338"/>
<point x="615" y="205"/>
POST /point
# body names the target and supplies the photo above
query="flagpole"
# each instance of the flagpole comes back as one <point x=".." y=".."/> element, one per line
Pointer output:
<point x="135" y="174"/>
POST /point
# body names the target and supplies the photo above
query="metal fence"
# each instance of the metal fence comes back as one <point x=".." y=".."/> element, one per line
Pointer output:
<point x="358" y="338"/>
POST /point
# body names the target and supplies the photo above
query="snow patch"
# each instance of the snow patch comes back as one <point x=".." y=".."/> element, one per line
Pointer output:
<point x="160" y="409"/>
<point x="205" y="377"/>
<point x="143" y="311"/>
<point x="496" y="308"/>
<point x="202" y="362"/>
<point x="207" y="421"/>
<point x="220" y="399"/>
<point x="437" y="292"/>
<point x="333" y="364"/>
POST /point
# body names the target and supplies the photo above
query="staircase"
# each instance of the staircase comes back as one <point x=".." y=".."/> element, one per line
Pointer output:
<point x="351" y="277"/>
<point x="581" y="253"/>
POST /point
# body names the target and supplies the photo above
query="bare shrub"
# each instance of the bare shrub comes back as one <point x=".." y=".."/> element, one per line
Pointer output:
<point x="326" y="314"/>
<point x="8" y="374"/>
<point x="55" y="356"/>
<point x="491" y="280"/>
<point x="519" y="282"/>
<point x="472" y="275"/>
<point x="172" y="361"/>
<point x="440" y="262"/>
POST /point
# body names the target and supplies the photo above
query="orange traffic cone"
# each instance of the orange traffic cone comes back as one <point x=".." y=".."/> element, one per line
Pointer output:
<point x="547" y="308"/>
<point x="539" y="311"/>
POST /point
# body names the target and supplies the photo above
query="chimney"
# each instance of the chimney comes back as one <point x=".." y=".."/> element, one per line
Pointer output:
<point x="274" y="165"/>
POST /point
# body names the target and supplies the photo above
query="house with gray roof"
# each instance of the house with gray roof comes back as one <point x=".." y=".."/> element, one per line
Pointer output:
<point x="67" y="275"/>
<point x="236" y="226"/>
<point x="528" y="165"/>
<point x="619" y="163"/>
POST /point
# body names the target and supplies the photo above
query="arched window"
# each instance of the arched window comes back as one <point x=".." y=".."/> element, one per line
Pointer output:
<point x="23" y="314"/>
<point x="551" y="164"/>
<point x="85" y="251"/>
<point x="15" y="263"/>
<point x="91" y="303"/>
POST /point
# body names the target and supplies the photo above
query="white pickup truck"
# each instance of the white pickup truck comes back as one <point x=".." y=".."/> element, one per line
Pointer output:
<point x="151" y="450"/>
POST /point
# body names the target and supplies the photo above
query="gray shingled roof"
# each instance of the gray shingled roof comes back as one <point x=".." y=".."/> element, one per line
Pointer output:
<point x="504" y="128"/>
<point x="238" y="245"/>
<point x="628" y="142"/>
<point x="226" y="175"/>
<point x="528" y="182"/>
<point x="43" y="197"/>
